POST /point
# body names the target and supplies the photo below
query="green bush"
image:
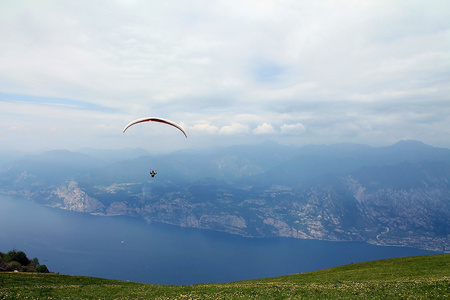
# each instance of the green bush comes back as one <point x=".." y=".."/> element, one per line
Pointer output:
<point x="35" y="262"/>
<point x="42" y="269"/>
<point x="18" y="256"/>
<point x="13" y="266"/>
<point x="18" y="261"/>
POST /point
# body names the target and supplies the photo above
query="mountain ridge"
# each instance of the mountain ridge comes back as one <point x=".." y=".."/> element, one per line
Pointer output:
<point x="393" y="195"/>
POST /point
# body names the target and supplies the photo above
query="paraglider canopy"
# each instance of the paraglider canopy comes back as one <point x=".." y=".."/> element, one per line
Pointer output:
<point x="153" y="119"/>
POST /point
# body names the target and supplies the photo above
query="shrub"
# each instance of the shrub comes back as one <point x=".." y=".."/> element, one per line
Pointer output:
<point x="35" y="262"/>
<point x="18" y="256"/>
<point x="42" y="269"/>
<point x="13" y="266"/>
<point x="18" y="260"/>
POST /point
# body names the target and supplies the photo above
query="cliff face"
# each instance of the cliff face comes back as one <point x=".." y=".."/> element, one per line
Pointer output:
<point x="71" y="197"/>
<point x="379" y="198"/>
<point x="348" y="211"/>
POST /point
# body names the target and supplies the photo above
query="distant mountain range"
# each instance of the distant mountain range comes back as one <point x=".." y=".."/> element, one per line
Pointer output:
<point x="395" y="195"/>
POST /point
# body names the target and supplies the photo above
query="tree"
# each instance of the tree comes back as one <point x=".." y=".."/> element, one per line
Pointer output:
<point x="18" y="260"/>
<point x="35" y="262"/>
<point x="18" y="256"/>
<point x="13" y="266"/>
<point x="42" y="269"/>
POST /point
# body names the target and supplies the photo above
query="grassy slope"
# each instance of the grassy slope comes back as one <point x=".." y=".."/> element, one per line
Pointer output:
<point x="417" y="277"/>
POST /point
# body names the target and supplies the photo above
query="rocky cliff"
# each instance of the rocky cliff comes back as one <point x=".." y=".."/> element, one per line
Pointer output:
<point x="364" y="195"/>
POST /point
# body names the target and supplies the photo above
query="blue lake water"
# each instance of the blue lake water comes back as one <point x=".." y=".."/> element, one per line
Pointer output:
<point x="128" y="248"/>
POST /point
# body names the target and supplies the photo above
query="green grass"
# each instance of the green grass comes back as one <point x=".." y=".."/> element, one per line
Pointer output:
<point x="419" y="277"/>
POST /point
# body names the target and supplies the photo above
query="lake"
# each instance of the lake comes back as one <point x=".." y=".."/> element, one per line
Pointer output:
<point x="131" y="249"/>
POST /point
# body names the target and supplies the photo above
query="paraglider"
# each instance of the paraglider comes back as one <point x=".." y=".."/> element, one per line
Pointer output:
<point x="159" y="120"/>
<point x="153" y="119"/>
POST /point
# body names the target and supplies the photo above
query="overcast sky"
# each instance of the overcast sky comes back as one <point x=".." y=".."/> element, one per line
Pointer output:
<point x="74" y="73"/>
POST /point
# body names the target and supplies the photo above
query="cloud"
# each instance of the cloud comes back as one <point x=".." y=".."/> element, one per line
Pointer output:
<point x="234" y="128"/>
<point x="264" y="128"/>
<point x="328" y="70"/>
<point x="46" y="101"/>
<point x="293" y="129"/>
<point x="205" y="128"/>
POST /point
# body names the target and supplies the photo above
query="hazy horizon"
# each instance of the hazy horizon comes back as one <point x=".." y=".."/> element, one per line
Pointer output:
<point x="210" y="148"/>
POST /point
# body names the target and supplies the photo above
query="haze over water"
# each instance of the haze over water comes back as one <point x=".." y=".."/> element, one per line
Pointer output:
<point x="127" y="248"/>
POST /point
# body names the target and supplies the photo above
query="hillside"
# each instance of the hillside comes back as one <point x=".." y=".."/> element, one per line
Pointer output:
<point x="420" y="277"/>
<point x="397" y="195"/>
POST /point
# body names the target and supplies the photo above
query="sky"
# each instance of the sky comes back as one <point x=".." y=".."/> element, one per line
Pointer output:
<point x="74" y="73"/>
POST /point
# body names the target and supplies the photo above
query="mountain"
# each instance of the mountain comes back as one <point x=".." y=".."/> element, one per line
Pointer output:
<point x="112" y="156"/>
<point x="394" y="195"/>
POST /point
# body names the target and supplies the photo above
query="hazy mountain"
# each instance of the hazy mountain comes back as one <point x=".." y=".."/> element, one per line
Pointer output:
<point x="395" y="195"/>
<point x="112" y="156"/>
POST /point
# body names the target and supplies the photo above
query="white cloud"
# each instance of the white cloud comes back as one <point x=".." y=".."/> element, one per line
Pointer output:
<point x="229" y="67"/>
<point x="234" y="128"/>
<point x="206" y="128"/>
<point x="293" y="129"/>
<point x="264" y="128"/>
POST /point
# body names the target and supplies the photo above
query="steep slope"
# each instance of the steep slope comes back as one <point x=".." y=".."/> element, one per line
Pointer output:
<point x="396" y="195"/>
<point x="422" y="277"/>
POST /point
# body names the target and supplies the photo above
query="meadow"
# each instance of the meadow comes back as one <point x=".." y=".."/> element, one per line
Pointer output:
<point x="417" y="277"/>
